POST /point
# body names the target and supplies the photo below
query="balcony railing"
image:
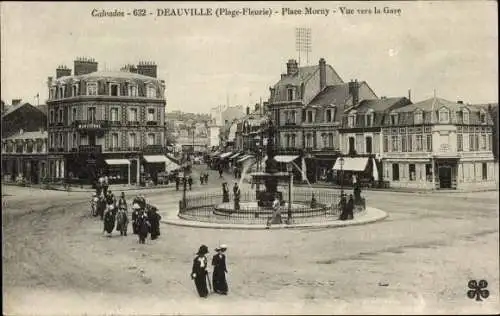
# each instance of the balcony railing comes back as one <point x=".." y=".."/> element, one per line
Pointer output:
<point x="133" y="148"/>
<point x="133" y="123"/>
<point x="114" y="123"/>
<point x="93" y="124"/>
<point x="154" y="149"/>
<point x="90" y="148"/>
<point x="152" y="123"/>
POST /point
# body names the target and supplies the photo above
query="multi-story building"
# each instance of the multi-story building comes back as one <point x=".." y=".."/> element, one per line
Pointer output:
<point x="361" y="135"/>
<point x="24" y="142"/>
<point x="106" y="122"/>
<point x="307" y="106"/>
<point x="438" y="144"/>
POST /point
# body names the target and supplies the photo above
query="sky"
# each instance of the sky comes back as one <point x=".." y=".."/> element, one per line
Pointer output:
<point x="448" y="47"/>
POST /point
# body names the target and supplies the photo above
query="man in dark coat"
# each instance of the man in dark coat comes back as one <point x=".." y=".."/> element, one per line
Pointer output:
<point x="206" y="177"/>
<point x="177" y="182"/>
<point x="135" y="216"/>
<point x="225" y="193"/>
<point x="237" y="195"/>
<point x="350" y="207"/>
<point x="220" y="270"/>
<point x="199" y="272"/>
<point x="343" y="208"/>
<point x="143" y="227"/>
<point x="154" y="220"/>
<point x="202" y="178"/>
<point x="190" y="182"/>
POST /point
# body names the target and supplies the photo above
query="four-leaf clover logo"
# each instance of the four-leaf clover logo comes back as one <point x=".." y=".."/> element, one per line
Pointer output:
<point x="478" y="291"/>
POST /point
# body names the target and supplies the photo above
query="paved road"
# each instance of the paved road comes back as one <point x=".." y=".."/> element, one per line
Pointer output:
<point x="419" y="260"/>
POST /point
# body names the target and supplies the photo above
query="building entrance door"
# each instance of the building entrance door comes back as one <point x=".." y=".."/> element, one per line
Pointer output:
<point x="445" y="177"/>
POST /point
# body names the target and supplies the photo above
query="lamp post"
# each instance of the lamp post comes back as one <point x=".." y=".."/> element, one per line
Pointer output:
<point x="184" y="184"/>
<point x="341" y="162"/>
<point x="290" y="184"/>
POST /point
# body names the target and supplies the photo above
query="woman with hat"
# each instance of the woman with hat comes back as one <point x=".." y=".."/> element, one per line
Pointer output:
<point x="220" y="270"/>
<point x="135" y="216"/>
<point x="199" y="272"/>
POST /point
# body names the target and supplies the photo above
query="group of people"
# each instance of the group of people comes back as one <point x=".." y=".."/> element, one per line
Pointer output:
<point x="236" y="194"/>
<point x="114" y="214"/>
<point x="200" y="274"/>
<point x="204" y="177"/>
<point x="185" y="182"/>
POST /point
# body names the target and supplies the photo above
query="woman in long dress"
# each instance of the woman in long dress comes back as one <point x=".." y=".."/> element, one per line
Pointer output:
<point x="220" y="270"/>
<point x="199" y="271"/>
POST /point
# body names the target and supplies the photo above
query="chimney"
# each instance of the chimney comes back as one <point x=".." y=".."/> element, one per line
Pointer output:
<point x="129" y="68"/>
<point x="354" y="91"/>
<point x="84" y="65"/>
<point x="257" y="107"/>
<point x="460" y="102"/>
<point x="291" y="67"/>
<point x="248" y="110"/>
<point x="322" y="74"/>
<point x="16" y="102"/>
<point x="62" y="71"/>
<point x="147" y="68"/>
<point x="409" y="95"/>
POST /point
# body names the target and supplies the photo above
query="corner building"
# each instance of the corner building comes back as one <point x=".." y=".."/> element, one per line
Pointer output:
<point x="106" y="122"/>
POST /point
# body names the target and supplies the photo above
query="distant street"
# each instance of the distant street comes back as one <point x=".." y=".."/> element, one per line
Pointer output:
<point x="56" y="260"/>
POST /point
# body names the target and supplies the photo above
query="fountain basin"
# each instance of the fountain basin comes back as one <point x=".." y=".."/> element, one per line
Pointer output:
<point x="253" y="210"/>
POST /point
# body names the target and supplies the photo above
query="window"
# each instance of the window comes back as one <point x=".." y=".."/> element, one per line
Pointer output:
<point x="288" y="138"/>
<point x="91" y="114"/>
<point x="309" y="141"/>
<point x="325" y="140"/>
<point x="75" y="91"/>
<point x="419" y="144"/>
<point x="151" y="115"/>
<point x="403" y="143"/>
<point x="476" y="142"/>
<point x="471" y="142"/>
<point x="395" y="172"/>
<point x="61" y="140"/>
<point x="51" y="143"/>
<point x="483" y="142"/>
<point x="151" y="139"/>
<point x="114" y="89"/>
<point x="61" y="115"/>
<point x="386" y="144"/>
<point x="460" y="117"/>
<point x="394" y="119"/>
<point x="328" y="117"/>
<point x="289" y="92"/>
<point x="309" y="116"/>
<point x="490" y="142"/>
<point x="413" y="175"/>
<point x="410" y="143"/>
<point x="132" y="91"/>
<point x="368" y="144"/>
<point x="75" y="141"/>
<point x="74" y="114"/>
<point x="293" y="140"/>
<point x="52" y="93"/>
<point x="460" y="142"/>
<point x="151" y="92"/>
<point x="482" y="117"/>
<point x="91" y="88"/>
<point x="466" y="117"/>
<point x="369" y="119"/>
<point x="444" y="116"/>
<point x="293" y="116"/>
<point x="428" y="172"/>
<point x="132" y="140"/>
<point x="394" y="143"/>
<point x="352" y="145"/>
<point x="132" y="115"/>
<point x="485" y="171"/>
<point x="114" y="140"/>
<point x="52" y="116"/>
<point x="61" y="92"/>
<point x="351" y="120"/>
<point x="330" y="140"/>
<point x="418" y="118"/>
<point x="114" y="114"/>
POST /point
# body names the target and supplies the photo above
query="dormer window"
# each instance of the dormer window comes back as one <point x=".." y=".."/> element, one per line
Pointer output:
<point x="289" y="93"/>
<point x="329" y="115"/>
<point x="444" y="116"/>
<point x="418" y="118"/>
<point x="92" y="88"/>
<point x="369" y="118"/>
<point x="351" y="120"/>
<point x="394" y="119"/>
<point x="465" y="113"/>
<point x="52" y="93"/>
<point x="132" y="91"/>
<point x="61" y="92"/>
<point x="114" y="89"/>
<point x="150" y="92"/>
<point x="74" y="91"/>
<point x="482" y="117"/>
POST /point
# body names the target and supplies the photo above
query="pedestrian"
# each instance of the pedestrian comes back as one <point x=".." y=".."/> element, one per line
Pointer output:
<point x="122" y="203"/>
<point x="350" y="207"/>
<point x="343" y="207"/>
<point x="154" y="220"/>
<point x="190" y="182"/>
<point x="225" y="193"/>
<point x="220" y="270"/>
<point x="276" y="217"/>
<point x="206" y="177"/>
<point x="237" y="195"/>
<point x="201" y="178"/>
<point x="135" y="217"/>
<point x="105" y="184"/>
<point x="143" y="227"/>
<point x="177" y="181"/>
<point x="199" y="273"/>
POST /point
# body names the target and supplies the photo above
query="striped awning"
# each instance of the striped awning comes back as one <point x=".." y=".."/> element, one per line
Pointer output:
<point x="285" y="158"/>
<point x="352" y="164"/>
<point x="117" y="161"/>
<point x="246" y="157"/>
<point x="225" y="155"/>
<point x="156" y="158"/>
<point x="235" y="155"/>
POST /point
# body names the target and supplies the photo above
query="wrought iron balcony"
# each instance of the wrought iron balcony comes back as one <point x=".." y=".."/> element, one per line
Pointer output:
<point x="90" y="148"/>
<point x="134" y="149"/>
<point x="152" y="123"/>
<point x="133" y="123"/>
<point x="115" y="123"/>
<point x="92" y="124"/>
<point x="154" y="149"/>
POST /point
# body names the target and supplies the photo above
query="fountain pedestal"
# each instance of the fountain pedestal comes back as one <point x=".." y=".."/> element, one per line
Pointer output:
<point x="266" y="197"/>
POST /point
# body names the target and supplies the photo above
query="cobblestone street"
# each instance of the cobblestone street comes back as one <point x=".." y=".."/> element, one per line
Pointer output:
<point x="416" y="261"/>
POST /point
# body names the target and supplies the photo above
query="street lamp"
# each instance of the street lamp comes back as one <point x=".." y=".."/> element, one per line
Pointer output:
<point x="289" y="168"/>
<point x="184" y="184"/>
<point x="341" y="162"/>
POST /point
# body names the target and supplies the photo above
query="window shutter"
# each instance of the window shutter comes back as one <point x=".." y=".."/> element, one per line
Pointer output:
<point x="303" y="115"/>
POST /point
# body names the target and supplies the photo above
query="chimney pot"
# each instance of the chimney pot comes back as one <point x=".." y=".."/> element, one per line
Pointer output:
<point x="322" y="74"/>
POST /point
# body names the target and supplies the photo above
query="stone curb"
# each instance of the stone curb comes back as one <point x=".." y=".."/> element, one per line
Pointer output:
<point x="378" y="216"/>
<point x="398" y="190"/>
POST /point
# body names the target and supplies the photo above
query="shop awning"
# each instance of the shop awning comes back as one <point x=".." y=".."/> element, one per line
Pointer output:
<point x="225" y="155"/>
<point x="285" y="158"/>
<point x="246" y="157"/>
<point x="156" y="158"/>
<point x="352" y="164"/>
<point x="117" y="161"/>
<point x="171" y="166"/>
<point x="234" y="156"/>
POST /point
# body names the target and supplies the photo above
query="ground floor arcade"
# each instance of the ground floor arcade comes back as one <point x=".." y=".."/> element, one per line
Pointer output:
<point x="30" y="168"/>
